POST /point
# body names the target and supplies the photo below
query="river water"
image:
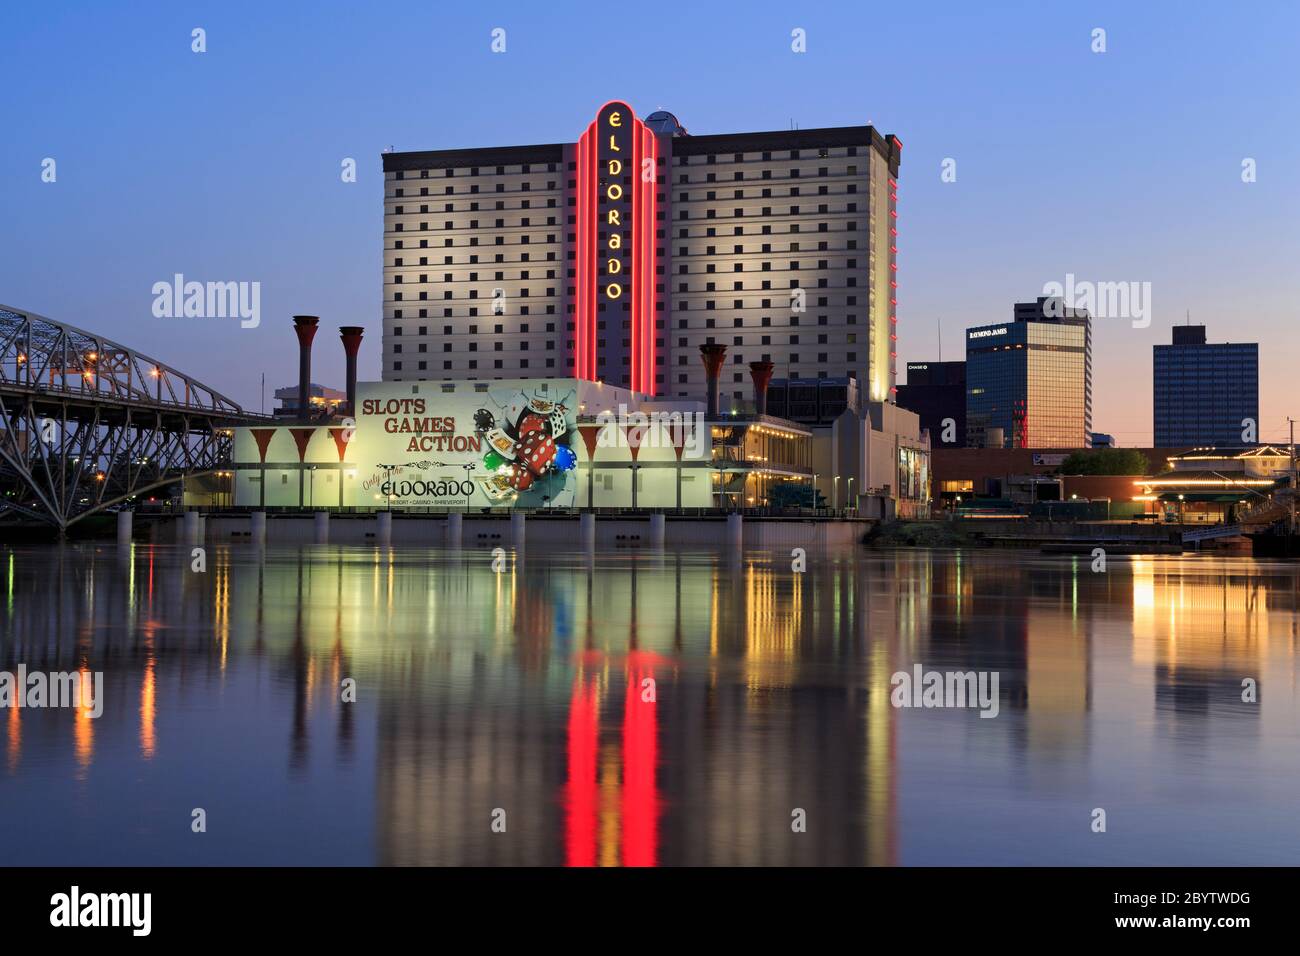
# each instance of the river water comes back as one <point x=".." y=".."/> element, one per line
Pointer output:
<point x="639" y="708"/>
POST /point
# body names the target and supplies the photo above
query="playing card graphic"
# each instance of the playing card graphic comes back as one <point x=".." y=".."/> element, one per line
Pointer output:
<point x="514" y="409"/>
<point x="501" y="443"/>
<point x="496" y="487"/>
<point x="559" y="426"/>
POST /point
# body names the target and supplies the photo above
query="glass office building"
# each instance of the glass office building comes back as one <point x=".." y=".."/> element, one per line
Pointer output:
<point x="1205" y="394"/>
<point x="1029" y="381"/>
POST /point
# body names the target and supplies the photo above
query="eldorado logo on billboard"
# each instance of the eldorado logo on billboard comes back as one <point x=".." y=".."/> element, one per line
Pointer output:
<point x="509" y="445"/>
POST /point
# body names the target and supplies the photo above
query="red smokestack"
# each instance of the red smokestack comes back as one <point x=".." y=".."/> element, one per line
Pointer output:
<point x="305" y="326"/>
<point x="713" y="356"/>
<point x="351" y="336"/>
<point x="761" y="373"/>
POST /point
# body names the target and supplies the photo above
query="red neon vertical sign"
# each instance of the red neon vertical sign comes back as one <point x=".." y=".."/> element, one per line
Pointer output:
<point x="638" y="202"/>
<point x="584" y="320"/>
<point x="637" y="282"/>
<point x="646" y="254"/>
<point x="580" y="243"/>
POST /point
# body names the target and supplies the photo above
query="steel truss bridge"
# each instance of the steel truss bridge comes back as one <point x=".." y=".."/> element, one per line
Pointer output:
<point x="87" y="424"/>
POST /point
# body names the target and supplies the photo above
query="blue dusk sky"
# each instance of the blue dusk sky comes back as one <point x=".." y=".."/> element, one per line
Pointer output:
<point x="1121" y="166"/>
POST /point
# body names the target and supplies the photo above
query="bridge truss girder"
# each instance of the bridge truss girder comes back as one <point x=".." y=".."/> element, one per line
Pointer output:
<point x="86" y="423"/>
<point x="72" y="462"/>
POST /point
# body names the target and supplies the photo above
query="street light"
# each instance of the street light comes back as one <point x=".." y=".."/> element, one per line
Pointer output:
<point x="388" y="496"/>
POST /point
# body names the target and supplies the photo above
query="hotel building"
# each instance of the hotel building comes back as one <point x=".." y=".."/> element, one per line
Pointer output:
<point x="615" y="257"/>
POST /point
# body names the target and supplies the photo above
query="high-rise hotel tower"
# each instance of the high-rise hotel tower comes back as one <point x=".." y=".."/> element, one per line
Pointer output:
<point x="616" y="257"/>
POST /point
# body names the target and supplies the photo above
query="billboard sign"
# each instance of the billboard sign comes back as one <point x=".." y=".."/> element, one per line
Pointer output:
<point x="445" y="446"/>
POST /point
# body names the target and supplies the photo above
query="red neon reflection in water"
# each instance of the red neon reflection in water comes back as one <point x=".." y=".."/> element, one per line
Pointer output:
<point x="640" y="756"/>
<point x="580" y="792"/>
<point x="639" y="797"/>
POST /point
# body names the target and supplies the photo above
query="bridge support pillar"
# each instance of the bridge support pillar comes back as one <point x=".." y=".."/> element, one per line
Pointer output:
<point x="124" y="522"/>
<point x="322" y="522"/>
<point x="587" y="530"/>
<point x="191" y="527"/>
<point x="453" y="530"/>
<point x="658" y="530"/>
<point x="384" y="528"/>
<point x="735" y="532"/>
<point x="517" y="519"/>
<point x="257" y="527"/>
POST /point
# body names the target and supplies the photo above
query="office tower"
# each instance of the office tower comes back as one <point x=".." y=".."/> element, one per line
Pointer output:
<point x="1204" y="394"/>
<point x="937" y="392"/>
<point x="1031" y="378"/>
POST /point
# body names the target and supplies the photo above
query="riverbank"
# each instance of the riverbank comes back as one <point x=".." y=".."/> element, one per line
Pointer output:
<point x="918" y="534"/>
<point x="1056" y="537"/>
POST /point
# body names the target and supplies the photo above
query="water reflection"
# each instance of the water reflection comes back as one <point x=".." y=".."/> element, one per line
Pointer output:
<point x="645" y="709"/>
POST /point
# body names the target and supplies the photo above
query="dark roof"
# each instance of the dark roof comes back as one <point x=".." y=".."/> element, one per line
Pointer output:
<point x="887" y="146"/>
<point x="486" y="156"/>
